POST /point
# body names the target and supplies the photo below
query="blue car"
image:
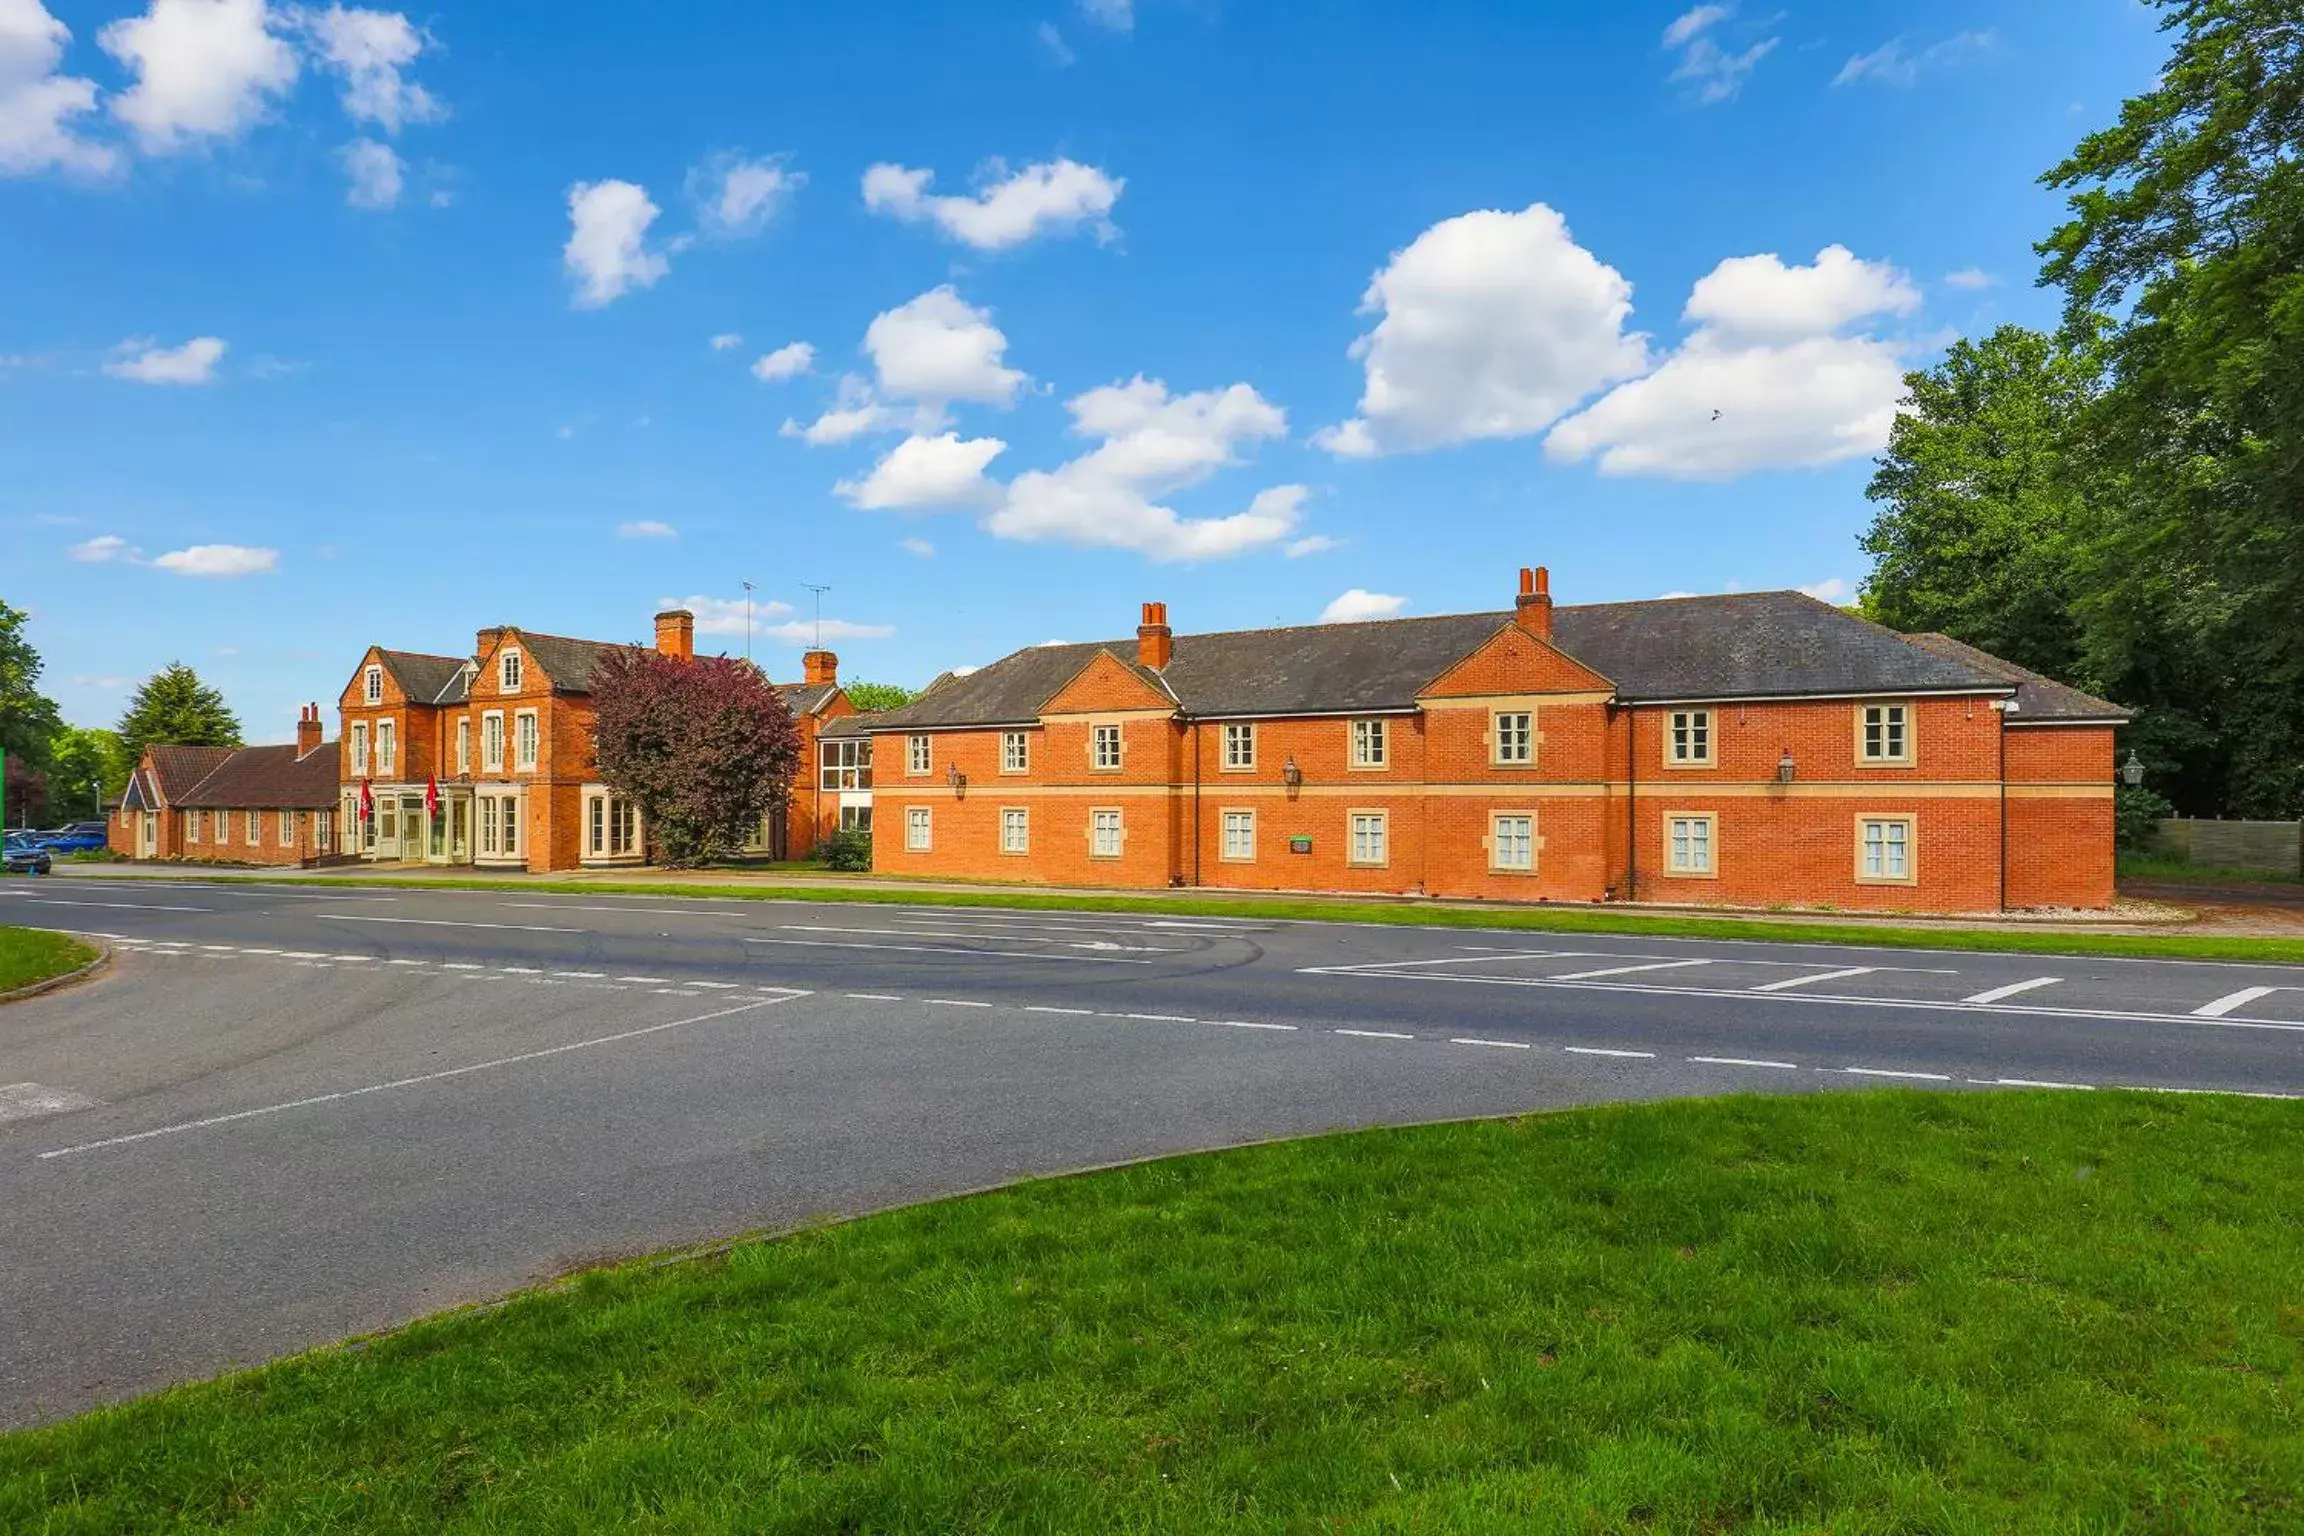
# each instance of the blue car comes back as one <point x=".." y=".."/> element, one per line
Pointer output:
<point x="26" y="857"/>
<point x="79" y="837"/>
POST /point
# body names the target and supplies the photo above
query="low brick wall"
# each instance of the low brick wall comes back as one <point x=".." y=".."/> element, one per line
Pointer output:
<point x="2277" y="847"/>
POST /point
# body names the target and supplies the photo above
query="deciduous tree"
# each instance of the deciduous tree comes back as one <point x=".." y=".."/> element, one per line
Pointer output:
<point x="28" y="718"/>
<point x="704" y="746"/>
<point x="872" y="698"/>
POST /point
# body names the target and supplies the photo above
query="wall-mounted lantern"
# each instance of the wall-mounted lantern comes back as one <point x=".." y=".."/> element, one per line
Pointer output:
<point x="1786" y="769"/>
<point x="2132" y="771"/>
<point x="1291" y="775"/>
<point x="956" y="779"/>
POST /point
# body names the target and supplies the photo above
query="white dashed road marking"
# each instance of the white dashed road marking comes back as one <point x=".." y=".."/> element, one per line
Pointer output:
<point x="2230" y="1001"/>
<point x="1626" y="970"/>
<point x="1374" y="1034"/>
<point x="1918" y="1077"/>
<point x="1506" y="1045"/>
<point x="436" y="922"/>
<point x="1994" y="994"/>
<point x="1594" y="1050"/>
<point x="1746" y="1061"/>
<point x="1789" y="982"/>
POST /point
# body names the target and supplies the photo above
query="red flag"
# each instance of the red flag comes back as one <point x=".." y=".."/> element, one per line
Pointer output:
<point x="367" y="803"/>
<point x="432" y="796"/>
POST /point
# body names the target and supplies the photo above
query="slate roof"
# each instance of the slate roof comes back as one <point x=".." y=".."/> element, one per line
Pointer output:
<point x="567" y="662"/>
<point x="428" y="679"/>
<point x="857" y="724"/>
<point x="270" y="778"/>
<point x="2040" y="700"/>
<point x="805" y="698"/>
<point x="1740" y="645"/>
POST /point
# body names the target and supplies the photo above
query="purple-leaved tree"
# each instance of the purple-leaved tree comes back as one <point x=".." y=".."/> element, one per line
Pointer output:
<point x="703" y="745"/>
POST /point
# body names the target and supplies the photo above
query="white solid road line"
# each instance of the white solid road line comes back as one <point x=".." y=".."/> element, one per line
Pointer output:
<point x="967" y="954"/>
<point x="1626" y="970"/>
<point x="1746" y="1061"/>
<point x="117" y="906"/>
<point x="2230" y="1001"/>
<point x="436" y="922"/>
<point x="1504" y="1045"/>
<point x="1919" y="1077"/>
<point x="1789" y="982"/>
<point x="1595" y="1050"/>
<point x="1011" y="938"/>
<point x="1996" y="993"/>
<point x="1379" y="967"/>
<point x="410" y="1082"/>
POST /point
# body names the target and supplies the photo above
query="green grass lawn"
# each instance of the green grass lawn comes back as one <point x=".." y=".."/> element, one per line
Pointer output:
<point x="28" y="955"/>
<point x="1893" y="1312"/>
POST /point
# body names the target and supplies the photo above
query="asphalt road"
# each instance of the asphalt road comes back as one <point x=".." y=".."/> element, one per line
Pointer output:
<point x="289" y="1114"/>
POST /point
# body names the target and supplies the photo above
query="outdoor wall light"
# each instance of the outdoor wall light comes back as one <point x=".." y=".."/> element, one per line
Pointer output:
<point x="1291" y="775"/>
<point x="2132" y="771"/>
<point x="1786" y="768"/>
<point x="954" y="777"/>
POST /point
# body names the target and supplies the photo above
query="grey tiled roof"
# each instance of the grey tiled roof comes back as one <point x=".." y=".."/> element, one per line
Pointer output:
<point x="271" y="778"/>
<point x="805" y="698"/>
<point x="2039" y="699"/>
<point x="566" y="661"/>
<point x="858" y="724"/>
<point x="1741" y="645"/>
<point x="428" y="679"/>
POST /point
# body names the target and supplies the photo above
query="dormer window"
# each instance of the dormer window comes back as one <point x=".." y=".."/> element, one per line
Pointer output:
<point x="372" y="685"/>
<point x="508" y="672"/>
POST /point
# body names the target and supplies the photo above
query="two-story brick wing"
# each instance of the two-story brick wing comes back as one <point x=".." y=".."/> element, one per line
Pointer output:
<point x="1750" y="749"/>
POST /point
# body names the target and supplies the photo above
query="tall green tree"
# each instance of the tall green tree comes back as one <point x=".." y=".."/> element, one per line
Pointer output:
<point x="2187" y="228"/>
<point x="1983" y="499"/>
<point x="871" y="698"/>
<point x="87" y="766"/>
<point x="28" y="718"/>
<point x="175" y="707"/>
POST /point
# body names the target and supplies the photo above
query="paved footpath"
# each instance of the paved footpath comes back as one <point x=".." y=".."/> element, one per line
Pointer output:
<point x="288" y="1114"/>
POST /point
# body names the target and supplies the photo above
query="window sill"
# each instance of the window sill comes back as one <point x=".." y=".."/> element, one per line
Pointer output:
<point x="1672" y="767"/>
<point x="1903" y="880"/>
<point x="1691" y="874"/>
<point x="1516" y="871"/>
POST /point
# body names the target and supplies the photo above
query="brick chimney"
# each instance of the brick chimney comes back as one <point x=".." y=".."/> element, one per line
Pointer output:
<point x="485" y="641"/>
<point x="676" y="633"/>
<point x="1155" y="643"/>
<point x="308" y="730"/>
<point x="1532" y="610"/>
<point x="819" y="668"/>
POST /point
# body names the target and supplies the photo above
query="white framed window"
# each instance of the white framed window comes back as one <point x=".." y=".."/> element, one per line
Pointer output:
<point x="844" y="763"/>
<point x="323" y="830"/>
<point x="1370" y="746"/>
<point x="510" y="668"/>
<point x="1015" y="752"/>
<point x="1884" y="850"/>
<point x="1370" y="841"/>
<point x="511" y="809"/>
<point x="287" y="829"/>
<point x="1104" y="834"/>
<point x="492" y="741"/>
<point x="1239" y="748"/>
<point x="386" y="747"/>
<point x="1688" y="738"/>
<point x="1689" y="837"/>
<point x="1238" y="843"/>
<point x="1512" y="842"/>
<point x="919" y="754"/>
<point x="1104" y="748"/>
<point x="611" y="827"/>
<point x="464" y="747"/>
<point x="490" y="824"/>
<point x="1015" y="829"/>
<point x="1514" y="736"/>
<point x="855" y="818"/>
<point x="253" y="825"/>
<point x="359" y="749"/>
<point x="1884" y="733"/>
<point x="524" y="739"/>
<point x="191" y="826"/>
<point x="917" y="829"/>
<point x="372" y="685"/>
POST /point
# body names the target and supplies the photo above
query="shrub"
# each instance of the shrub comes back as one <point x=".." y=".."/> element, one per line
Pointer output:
<point x="849" y="849"/>
<point x="2136" y="817"/>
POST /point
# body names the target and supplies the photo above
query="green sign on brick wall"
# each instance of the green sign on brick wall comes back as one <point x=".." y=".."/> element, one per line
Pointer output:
<point x="1299" y="845"/>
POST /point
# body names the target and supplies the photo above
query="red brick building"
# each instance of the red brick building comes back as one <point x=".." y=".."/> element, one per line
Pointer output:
<point x="236" y="805"/>
<point x="488" y="759"/>
<point x="1749" y="749"/>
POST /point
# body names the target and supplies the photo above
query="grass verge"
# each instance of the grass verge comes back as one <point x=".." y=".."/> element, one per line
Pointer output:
<point x="1891" y="1312"/>
<point x="28" y="955"/>
<point x="1498" y="918"/>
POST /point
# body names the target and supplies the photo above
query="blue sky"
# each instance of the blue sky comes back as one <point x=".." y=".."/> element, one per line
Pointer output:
<point x="1244" y="307"/>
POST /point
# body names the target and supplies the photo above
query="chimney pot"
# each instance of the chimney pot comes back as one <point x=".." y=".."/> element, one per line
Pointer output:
<point x="1532" y="610"/>
<point x="307" y="730"/>
<point x="820" y="668"/>
<point x="676" y="633"/>
<point x="1155" y="642"/>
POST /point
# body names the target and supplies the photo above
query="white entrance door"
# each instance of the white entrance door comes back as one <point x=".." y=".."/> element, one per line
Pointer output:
<point x="147" y="833"/>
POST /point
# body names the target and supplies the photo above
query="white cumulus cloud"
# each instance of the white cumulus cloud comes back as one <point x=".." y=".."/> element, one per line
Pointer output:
<point x="1768" y="379"/>
<point x="737" y="196"/>
<point x="1832" y="589"/>
<point x="205" y="70"/>
<point x="1360" y="605"/>
<point x="1494" y="325"/>
<point x="376" y="174"/>
<point x="726" y="615"/>
<point x="220" y="560"/>
<point x="144" y="361"/>
<point x="1007" y="209"/>
<point x="646" y="528"/>
<point x="106" y="549"/>
<point x="921" y="472"/>
<point x="1711" y="72"/>
<point x="1310" y="544"/>
<point x="938" y="348"/>
<point x="38" y="104"/>
<point x="727" y="341"/>
<point x="607" y="252"/>
<point x="854" y="411"/>
<point x="1151" y="444"/>
<point x="786" y="362"/>
<point x="370" y="51"/>
<point x="813" y="631"/>
<point x="1969" y="279"/>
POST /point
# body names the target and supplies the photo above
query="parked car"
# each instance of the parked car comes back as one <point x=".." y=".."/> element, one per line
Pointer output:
<point x="25" y="857"/>
<point x="79" y="837"/>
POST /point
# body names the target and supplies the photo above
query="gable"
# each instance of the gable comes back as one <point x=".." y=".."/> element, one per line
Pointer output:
<point x="1107" y="685"/>
<point x="1513" y="661"/>
<point x="355" y="694"/>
